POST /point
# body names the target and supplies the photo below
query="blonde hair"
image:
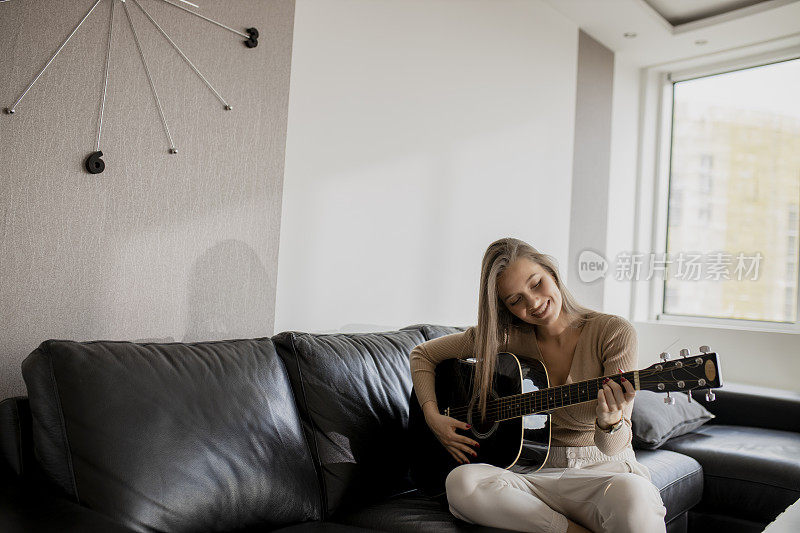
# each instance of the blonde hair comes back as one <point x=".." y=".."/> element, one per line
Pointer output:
<point x="494" y="318"/>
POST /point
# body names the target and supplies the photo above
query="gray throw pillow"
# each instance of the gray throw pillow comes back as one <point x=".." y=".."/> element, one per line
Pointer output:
<point x="654" y="422"/>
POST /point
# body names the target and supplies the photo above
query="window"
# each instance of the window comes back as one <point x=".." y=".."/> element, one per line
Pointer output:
<point x="734" y="194"/>
<point x="675" y="208"/>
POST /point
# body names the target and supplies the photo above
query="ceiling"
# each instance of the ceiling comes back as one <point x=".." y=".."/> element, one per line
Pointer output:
<point x="678" y="12"/>
<point x="664" y="31"/>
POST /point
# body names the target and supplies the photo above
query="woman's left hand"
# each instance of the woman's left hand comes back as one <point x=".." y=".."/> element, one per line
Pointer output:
<point x="612" y="401"/>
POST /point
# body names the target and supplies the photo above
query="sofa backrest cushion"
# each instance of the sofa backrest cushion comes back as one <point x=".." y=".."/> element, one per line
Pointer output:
<point x="434" y="331"/>
<point x="353" y="391"/>
<point x="171" y="436"/>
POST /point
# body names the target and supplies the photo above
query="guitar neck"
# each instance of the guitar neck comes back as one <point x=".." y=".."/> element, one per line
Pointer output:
<point x="554" y="397"/>
<point x="681" y="375"/>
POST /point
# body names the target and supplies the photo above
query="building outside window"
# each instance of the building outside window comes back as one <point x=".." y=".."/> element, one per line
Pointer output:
<point x="734" y="186"/>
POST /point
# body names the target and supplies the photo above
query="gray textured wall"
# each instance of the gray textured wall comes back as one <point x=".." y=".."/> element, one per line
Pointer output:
<point x="171" y="247"/>
<point x="591" y="164"/>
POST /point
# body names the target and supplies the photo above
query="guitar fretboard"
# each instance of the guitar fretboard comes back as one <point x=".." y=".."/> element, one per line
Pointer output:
<point x="553" y="397"/>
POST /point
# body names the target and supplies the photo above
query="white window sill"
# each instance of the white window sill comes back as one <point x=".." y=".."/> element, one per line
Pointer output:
<point x="719" y="323"/>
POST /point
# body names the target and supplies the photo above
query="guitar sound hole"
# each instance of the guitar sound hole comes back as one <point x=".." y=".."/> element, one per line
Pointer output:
<point x="484" y="428"/>
<point x="481" y="429"/>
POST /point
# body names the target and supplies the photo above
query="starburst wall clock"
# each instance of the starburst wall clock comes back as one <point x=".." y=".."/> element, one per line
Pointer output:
<point x="94" y="163"/>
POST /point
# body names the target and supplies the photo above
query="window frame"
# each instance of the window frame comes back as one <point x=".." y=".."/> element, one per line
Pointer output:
<point x="658" y="84"/>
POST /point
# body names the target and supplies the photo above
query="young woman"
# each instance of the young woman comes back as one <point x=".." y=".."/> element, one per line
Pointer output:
<point x="591" y="480"/>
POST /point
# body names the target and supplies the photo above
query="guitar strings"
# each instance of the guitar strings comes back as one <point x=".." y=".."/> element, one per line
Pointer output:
<point x="494" y="414"/>
<point x="509" y="403"/>
<point x="645" y="373"/>
<point x="476" y="412"/>
<point x="514" y="402"/>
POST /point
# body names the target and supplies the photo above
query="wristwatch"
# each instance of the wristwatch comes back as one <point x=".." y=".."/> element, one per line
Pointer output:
<point x="613" y="428"/>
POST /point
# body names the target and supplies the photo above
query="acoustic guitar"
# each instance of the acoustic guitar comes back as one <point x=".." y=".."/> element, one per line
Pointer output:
<point x="516" y="432"/>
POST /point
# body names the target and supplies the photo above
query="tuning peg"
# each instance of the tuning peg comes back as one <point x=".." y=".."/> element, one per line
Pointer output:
<point x="664" y="356"/>
<point x="685" y="353"/>
<point x="705" y="349"/>
<point x="689" y="394"/>
<point x="669" y="400"/>
<point x="710" y="396"/>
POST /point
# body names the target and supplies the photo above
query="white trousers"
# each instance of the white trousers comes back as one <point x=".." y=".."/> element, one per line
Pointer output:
<point x="597" y="491"/>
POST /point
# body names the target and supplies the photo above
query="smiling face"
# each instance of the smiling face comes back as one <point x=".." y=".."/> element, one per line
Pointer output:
<point x="529" y="292"/>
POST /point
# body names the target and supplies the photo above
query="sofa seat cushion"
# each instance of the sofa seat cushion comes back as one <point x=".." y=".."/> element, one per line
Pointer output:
<point x="679" y="479"/>
<point x="414" y="512"/>
<point x="749" y="472"/>
<point x="353" y="394"/>
<point x="701" y="521"/>
<point x="318" y="527"/>
<point x="410" y="512"/>
<point x="198" y="436"/>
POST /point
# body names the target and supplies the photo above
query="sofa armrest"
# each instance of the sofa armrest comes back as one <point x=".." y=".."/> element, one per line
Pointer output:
<point x="748" y="405"/>
<point x="29" y="508"/>
<point x="16" y="443"/>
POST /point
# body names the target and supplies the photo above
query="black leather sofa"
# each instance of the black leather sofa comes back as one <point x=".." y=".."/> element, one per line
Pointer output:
<point x="307" y="432"/>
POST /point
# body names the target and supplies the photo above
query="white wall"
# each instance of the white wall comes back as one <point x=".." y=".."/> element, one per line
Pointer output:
<point x="591" y="165"/>
<point x="404" y="116"/>
<point x="419" y="132"/>
<point x="622" y="181"/>
<point x="754" y="357"/>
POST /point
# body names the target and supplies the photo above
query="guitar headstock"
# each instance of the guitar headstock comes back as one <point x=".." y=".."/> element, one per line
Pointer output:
<point x="689" y="372"/>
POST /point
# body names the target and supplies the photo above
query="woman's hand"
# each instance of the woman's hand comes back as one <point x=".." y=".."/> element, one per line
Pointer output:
<point x="444" y="427"/>
<point x="612" y="399"/>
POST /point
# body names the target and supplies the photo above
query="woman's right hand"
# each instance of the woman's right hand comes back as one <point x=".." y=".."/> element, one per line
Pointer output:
<point x="444" y="427"/>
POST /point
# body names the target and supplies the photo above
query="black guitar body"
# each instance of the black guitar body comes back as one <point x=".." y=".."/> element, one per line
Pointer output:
<point x="518" y="443"/>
